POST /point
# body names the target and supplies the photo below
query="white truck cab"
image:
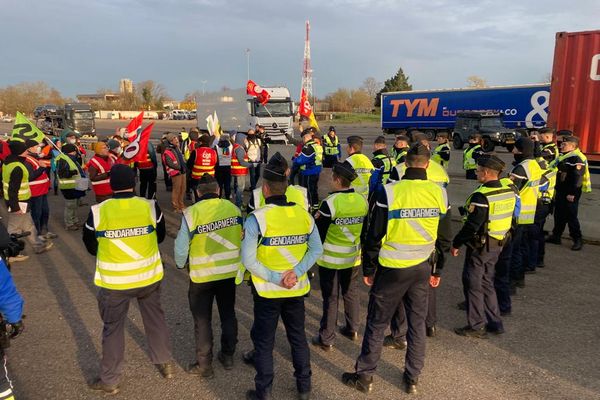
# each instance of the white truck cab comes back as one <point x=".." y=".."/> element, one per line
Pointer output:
<point x="277" y="116"/>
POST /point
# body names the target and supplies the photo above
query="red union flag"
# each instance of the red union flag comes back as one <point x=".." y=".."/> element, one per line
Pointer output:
<point x="134" y="126"/>
<point x="306" y="112"/>
<point x="252" y="89"/>
<point x="137" y="150"/>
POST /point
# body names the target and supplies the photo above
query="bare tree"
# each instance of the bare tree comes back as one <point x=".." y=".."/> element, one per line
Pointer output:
<point x="361" y="100"/>
<point x="26" y="96"/>
<point x="152" y="94"/>
<point x="372" y="86"/>
<point x="475" y="81"/>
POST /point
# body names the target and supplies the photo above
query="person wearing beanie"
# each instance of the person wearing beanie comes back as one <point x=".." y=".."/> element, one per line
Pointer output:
<point x="399" y="241"/>
<point x="572" y="180"/>
<point x="309" y="162"/>
<point x="239" y="167"/>
<point x="210" y="280"/>
<point x="383" y="164"/>
<point x="488" y="214"/>
<point x="17" y="193"/>
<point x="176" y="168"/>
<point x="224" y="149"/>
<point x="99" y="172"/>
<point x="361" y="164"/>
<point x="72" y="181"/>
<point x="332" y="149"/>
<point x="123" y="233"/>
<point x="114" y="149"/>
<point x="470" y="156"/>
<point x="202" y="160"/>
<point x="527" y="178"/>
<point x="294" y="193"/>
<point x="280" y="245"/>
<point x="340" y="221"/>
<point x="39" y="183"/>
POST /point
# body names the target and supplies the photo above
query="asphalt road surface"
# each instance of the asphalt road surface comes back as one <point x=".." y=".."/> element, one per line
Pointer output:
<point x="549" y="350"/>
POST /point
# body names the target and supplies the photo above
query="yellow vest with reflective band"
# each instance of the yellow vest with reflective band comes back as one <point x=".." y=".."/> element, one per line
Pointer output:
<point x="215" y="229"/>
<point x="128" y="256"/>
<point x="318" y="153"/>
<point x="341" y="248"/>
<point x="435" y="154"/>
<point x="586" y="186"/>
<point x="399" y="154"/>
<point x="364" y="168"/>
<point x="501" y="207"/>
<point x="530" y="192"/>
<point x="550" y="174"/>
<point x="435" y="173"/>
<point x="554" y="149"/>
<point x="331" y="147"/>
<point x="67" y="183"/>
<point x="293" y="193"/>
<point x="414" y="210"/>
<point x="388" y="164"/>
<point x="468" y="160"/>
<point x="24" y="190"/>
<point x="284" y="232"/>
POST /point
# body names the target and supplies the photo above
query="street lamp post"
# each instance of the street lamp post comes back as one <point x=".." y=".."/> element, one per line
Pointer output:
<point x="248" y="63"/>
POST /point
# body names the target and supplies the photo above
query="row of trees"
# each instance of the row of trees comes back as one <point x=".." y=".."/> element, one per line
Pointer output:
<point x="26" y="96"/>
<point x="147" y="95"/>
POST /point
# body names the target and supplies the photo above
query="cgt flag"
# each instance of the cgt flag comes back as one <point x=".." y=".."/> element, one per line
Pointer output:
<point x="137" y="150"/>
<point x="24" y="129"/>
<point x="306" y="112"/>
<point x="134" y="127"/>
<point x="255" y="90"/>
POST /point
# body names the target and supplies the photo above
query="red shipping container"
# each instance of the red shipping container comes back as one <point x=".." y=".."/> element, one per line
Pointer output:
<point x="575" y="88"/>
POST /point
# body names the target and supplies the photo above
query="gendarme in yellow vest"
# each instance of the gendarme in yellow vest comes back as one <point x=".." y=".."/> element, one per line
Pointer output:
<point x="293" y="193"/>
<point x="364" y="168"/>
<point x="468" y="160"/>
<point x="284" y="232"/>
<point x="215" y="229"/>
<point x="128" y="256"/>
<point x="414" y="210"/>
<point x="435" y="154"/>
<point x="501" y="207"/>
<point x="529" y="193"/>
<point x="331" y="146"/>
<point x="341" y="248"/>
<point x="24" y="190"/>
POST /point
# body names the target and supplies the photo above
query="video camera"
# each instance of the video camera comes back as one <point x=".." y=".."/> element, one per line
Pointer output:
<point x="13" y="246"/>
<point x="9" y="331"/>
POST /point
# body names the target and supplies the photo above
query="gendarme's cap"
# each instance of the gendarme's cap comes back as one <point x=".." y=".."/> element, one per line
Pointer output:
<point x="122" y="177"/>
<point x="345" y="169"/>
<point x="492" y="162"/>
<point x="355" y="140"/>
<point x="571" y="139"/>
<point x="332" y="129"/>
<point x="307" y="131"/>
<point x="418" y="149"/>
<point x="276" y="169"/>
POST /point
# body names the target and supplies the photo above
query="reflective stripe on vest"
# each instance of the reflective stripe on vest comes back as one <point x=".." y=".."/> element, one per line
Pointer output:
<point x="24" y="189"/>
<point x="331" y="147"/>
<point x="41" y="185"/>
<point x="341" y="248"/>
<point x="414" y="211"/>
<point x="204" y="163"/>
<point x="284" y="232"/>
<point x="364" y="168"/>
<point x="318" y="151"/>
<point x="388" y="164"/>
<point x="67" y="183"/>
<point x="101" y="187"/>
<point x="147" y="163"/>
<point x="293" y="193"/>
<point x="215" y="229"/>
<point x="399" y="154"/>
<point x="501" y="207"/>
<point x="435" y="154"/>
<point x="171" y="154"/>
<point x="468" y="160"/>
<point x="435" y="173"/>
<point x="236" y="168"/>
<point x="128" y="255"/>
<point x="529" y="192"/>
<point x="586" y="186"/>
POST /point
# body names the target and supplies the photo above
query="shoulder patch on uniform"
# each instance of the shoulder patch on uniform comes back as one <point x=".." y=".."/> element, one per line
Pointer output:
<point x="578" y="166"/>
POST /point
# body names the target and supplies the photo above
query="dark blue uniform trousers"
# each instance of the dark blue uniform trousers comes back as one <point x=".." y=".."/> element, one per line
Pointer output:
<point x="502" y="276"/>
<point x="266" y="317"/>
<point x="565" y="213"/>
<point x="391" y="287"/>
<point x="478" y="286"/>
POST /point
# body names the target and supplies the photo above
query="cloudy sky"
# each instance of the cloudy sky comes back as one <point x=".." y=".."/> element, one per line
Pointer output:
<point x="80" y="46"/>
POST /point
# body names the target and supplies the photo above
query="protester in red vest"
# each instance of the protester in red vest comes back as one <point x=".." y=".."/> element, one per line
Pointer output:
<point x="175" y="166"/>
<point x="39" y="184"/>
<point x="99" y="172"/>
<point x="239" y="167"/>
<point x="148" y="173"/>
<point x="203" y="160"/>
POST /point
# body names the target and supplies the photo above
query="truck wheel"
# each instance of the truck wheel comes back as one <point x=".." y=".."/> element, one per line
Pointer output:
<point x="487" y="145"/>
<point x="430" y="135"/>
<point x="510" y="147"/>
<point x="457" y="142"/>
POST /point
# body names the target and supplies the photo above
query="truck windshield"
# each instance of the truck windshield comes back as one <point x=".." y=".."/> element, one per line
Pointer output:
<point x="491" y="123"/>
<point x="83" y="115"/>
<point x="276" y="109"/>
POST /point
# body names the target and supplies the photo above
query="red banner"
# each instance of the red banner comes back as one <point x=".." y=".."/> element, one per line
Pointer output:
<point x="137" y="150"/>
<point x="252" y="89"/>
<point x="134" y="126"/>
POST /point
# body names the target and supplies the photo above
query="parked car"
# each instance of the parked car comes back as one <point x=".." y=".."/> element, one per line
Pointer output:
<point x="7" y="118"/>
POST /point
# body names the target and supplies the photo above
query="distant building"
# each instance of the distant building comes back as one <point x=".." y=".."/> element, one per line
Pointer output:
<point x="92" y="98"/>
<point x="125" y="86"/>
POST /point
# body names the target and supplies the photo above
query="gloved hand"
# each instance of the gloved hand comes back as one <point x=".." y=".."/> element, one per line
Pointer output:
<point x="434" y="281"/>
<point x="16" y="329"/>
